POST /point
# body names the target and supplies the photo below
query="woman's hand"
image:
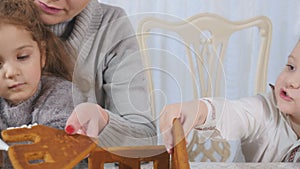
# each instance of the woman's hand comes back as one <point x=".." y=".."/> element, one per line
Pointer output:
<point x="87" y="119"/>
<point x="190" y="114"/>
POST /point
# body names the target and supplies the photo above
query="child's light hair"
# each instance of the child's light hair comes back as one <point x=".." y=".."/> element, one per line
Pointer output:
<point x="25" y="15"/>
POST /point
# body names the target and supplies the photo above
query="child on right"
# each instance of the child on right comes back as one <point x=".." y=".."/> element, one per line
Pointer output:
<point x="268" y="125"/>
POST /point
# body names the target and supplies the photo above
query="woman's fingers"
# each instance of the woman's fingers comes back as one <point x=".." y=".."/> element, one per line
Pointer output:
<point x="88" y="119"/>
<point x="72" y="124"/>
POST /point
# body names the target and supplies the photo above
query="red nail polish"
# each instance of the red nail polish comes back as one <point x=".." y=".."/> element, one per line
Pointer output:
<point x="70" y="129"/>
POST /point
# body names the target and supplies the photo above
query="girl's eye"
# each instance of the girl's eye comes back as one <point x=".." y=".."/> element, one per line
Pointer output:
<point x="22" y="57"/>
<point x="290" y="67"/>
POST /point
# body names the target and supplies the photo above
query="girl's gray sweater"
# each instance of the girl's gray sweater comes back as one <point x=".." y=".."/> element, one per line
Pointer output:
<point x="51" y="105"/>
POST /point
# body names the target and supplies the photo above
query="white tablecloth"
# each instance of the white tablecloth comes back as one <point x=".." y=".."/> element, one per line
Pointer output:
<point x="211" y="165"/>
<point x="244" y="165"/>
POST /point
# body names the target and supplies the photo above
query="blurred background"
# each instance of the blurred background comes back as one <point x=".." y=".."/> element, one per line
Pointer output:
<point x="172" y="85"/>
<point x="172" y="80"/>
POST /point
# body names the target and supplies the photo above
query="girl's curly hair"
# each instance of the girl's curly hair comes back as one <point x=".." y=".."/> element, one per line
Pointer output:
<point x="25" y="15"/>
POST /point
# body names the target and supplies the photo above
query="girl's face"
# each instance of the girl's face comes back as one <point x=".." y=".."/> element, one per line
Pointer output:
<point x="287" y="86"/>
<point x="20" y="64"/>
<point x="57" y="11"/>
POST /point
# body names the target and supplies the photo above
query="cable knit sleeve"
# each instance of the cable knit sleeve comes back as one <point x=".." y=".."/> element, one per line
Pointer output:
<point x="109" y="72"/>
<point x="125" y="89"/>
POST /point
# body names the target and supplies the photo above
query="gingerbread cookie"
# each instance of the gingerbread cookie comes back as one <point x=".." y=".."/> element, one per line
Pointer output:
<point x="49" y="148"/>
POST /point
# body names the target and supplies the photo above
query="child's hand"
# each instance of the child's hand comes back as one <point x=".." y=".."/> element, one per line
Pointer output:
<point x="87" y="119"/>
<point x="190" y="114"/>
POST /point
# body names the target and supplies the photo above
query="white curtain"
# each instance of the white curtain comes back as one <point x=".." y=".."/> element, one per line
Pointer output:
<point x="284" y="14"/>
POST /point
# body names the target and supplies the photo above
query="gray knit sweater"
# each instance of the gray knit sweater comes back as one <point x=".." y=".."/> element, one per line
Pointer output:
<point x="109" y="72"/>
<point x="51" y="105"/>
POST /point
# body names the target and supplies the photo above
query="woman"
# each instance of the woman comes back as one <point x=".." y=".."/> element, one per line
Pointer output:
<point x="108" y="71"/>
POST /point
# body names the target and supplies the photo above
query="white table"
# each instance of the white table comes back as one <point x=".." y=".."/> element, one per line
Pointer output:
<point x="245" y="165"/>
<point x="212" y="165"/>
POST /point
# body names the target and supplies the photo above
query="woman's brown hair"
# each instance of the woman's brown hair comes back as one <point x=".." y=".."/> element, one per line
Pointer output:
<point x="25" y="15"/>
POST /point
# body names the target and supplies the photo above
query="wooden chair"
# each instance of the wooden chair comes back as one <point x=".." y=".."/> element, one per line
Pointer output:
<point x="132" y="157"/>
<point x="205" y="39"/>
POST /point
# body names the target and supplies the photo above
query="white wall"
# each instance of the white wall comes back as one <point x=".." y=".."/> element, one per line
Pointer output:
<point x="284" y="15"/>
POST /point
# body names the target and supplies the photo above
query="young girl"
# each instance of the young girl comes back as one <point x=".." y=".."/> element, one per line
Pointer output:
<point x="268" y="125"/>
<point x="35" y="69"/>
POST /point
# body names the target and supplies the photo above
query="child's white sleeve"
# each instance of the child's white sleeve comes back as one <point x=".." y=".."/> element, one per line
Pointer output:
<point x="210" y="122"/>
<point x="208" y="129"/>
